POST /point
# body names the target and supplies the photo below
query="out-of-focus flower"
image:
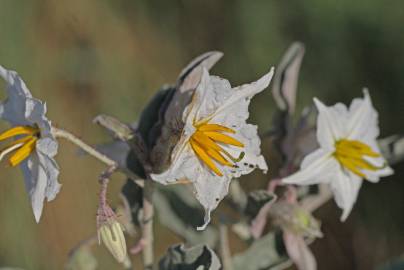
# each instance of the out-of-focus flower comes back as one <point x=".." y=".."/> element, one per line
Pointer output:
<point x="216" y="143"/>
<point x="348" y="151"/>
<point x="110" y="232"/>
<point x="34" y="146"/>
<point x="299" y="228"/>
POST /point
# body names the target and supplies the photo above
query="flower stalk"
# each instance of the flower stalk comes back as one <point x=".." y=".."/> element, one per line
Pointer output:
<point x="62" y="133"/>
<point x="110" y="231"/>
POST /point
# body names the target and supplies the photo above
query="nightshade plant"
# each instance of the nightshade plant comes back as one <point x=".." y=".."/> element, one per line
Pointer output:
<point x="193" y="138"/>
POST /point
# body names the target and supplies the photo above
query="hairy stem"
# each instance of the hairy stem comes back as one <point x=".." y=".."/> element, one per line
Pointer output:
<point x="147" y="225"/>
<point x="225" y="248"/>
<point x="61" y="133"/>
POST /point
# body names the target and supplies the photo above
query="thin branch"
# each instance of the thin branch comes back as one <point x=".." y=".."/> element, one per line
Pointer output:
<point x="147" y="225"/>
<point x="225" y="248"/>
<point x="313" y="202"/>
<point x="61" y="133"/>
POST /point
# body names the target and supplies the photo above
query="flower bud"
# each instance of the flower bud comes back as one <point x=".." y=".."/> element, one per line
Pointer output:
<point x="293" y="218"/>
<point x="111" y="234"/>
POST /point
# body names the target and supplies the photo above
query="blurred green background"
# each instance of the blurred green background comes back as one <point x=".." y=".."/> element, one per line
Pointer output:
<point x="99" y="56"/>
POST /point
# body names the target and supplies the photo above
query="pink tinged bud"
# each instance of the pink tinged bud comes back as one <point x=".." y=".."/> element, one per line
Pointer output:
<point x="111" y="235"/>
<point x="110" y="232"/>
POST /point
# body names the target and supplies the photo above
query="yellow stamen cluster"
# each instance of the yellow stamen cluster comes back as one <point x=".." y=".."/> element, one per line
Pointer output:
<point x="23" y="147"/>
<point x="351" y="153"/>
<point x="205" y="143"/>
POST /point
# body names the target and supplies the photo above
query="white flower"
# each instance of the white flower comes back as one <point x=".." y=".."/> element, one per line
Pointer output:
<point x="35" y="146"/>
<point x="216" y="143"/>
<point x="348" y="151"/>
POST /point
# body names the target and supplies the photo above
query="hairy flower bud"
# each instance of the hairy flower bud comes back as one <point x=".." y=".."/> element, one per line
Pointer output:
<point x="111" y="234"/>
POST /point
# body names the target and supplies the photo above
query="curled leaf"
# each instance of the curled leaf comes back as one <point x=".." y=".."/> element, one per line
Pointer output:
<point x="285" y="82"/>
<point x="133" y="195"/>
<point x="262" y="254"/>
<point x="178" y="211"/>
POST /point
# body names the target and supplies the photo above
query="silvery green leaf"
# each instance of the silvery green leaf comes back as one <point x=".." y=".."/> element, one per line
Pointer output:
<point x="116" y="150"/>
<point x="256" y="200"/>
<point x="286" y="77"/>
<point x="392" y="148"/>
<point x="178" y="210"/>
<point x="206" y="60"/>
<point x="133" y="194"/>
<point x="115" y="127"/>
<point x="149" y="126"/>
<point x="300" y="139"/>
<point x="200" y="257"/>
<point x="40" y="169"/>
<point x="262" y="254"/>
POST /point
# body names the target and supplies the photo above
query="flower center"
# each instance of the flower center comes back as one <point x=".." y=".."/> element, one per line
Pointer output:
<point x="23" y="146"/>
<point x="351" y="155"/>
<point x="205" y="143"/>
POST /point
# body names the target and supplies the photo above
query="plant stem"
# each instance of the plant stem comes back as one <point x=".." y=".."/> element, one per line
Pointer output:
<point x="61" y="133"/>
<point x="147" y="225"/>
<point x="224" y="248"/>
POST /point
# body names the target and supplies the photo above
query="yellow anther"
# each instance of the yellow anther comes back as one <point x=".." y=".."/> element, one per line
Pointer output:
<point x="215" y="127"/>
<point x="23" y="152"/>
<point x="351" y="154"/>
<point x="200" y="152"/>
<point x="222" y="138"/>
<point x="19" y="130"/>
<point x="204" y="143"/>
<point x="23" y="147"/>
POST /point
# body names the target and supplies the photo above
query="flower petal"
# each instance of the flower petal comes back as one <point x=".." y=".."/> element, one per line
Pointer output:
<point x="317" y="167"/>
<point x="381" y="162"/>
<point x="40" y="175"/>
<point x="47" y="145"/>
<point x="345" y="187"/>
<point x="13" y="109"/>
<point x="331" y="123"/>
<point x="252" y="157"/>
<point x="210" y="190"/>
<point x="363" y="119"/>
<point x="184" y="165"/>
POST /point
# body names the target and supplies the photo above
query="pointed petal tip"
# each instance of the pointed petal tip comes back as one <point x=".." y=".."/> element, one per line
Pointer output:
<point x="216" y="54"/>
<point x="37" y="214"/>
<point x="270" y="74"/>
<point x="344" y="216"/>
<point x="265" y="80"/>
<point x="206" y="221"/>
<point x="319" y="105"/>
<point x="366" y="94"/>
<point x="3" y="72"/>
<point x="288" y="181"/>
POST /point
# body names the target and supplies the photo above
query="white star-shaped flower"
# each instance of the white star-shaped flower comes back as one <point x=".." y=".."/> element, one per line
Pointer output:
<point x="34" y="146"/>
<point x="348" y="151"/>
<point x="216" y="143"/>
